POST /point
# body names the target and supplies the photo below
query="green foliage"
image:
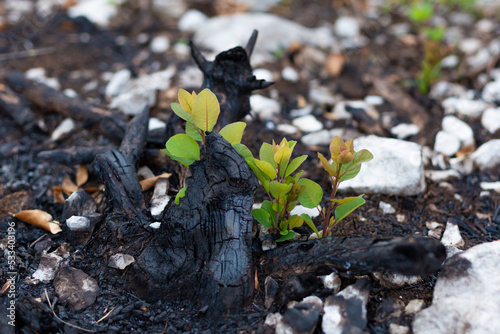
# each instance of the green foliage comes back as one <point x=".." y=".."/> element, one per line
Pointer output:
<point x="286" y="189"/>
<point x="420" y="11"/>
<point x="200" y="111"/>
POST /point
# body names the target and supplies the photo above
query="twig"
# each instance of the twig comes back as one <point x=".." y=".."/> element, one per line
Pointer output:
<point x="26" y="53"/>
<point x="106" y="315"/>
<point x="65" y="322"/>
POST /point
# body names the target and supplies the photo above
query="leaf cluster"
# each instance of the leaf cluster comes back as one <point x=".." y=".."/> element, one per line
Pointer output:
<point x="200" y="111"/>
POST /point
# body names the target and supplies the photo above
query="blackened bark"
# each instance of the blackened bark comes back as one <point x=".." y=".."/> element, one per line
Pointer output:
<point x="108" y="122"/>
<point x="231" y="78"/>
<point x="413" y="255"/>
<point x="73" y="155"/>
<point x="202" y="253"/>
<point x="16" y="108"/>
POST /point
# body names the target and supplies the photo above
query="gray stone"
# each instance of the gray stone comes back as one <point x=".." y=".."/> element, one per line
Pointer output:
<point x="444" y="89"/>
<point x="487" y="155"/>
<point x="307" y="123"/>
<point x="117" y="83"/>
<point x="220" y="33"/>
<point x="78" y="223"/>
<point x="160" y="198"/>
<point x="466" y="296"/>
<point x="386" y="208"/>
<point x="263" y="74"/>
<point x="491" y="119"/>
<point x="321" y="95"/>
<point x="271" y="289"/>
<point x="346" y="311"/>
<point x="156" y="124"/>
<point x="49" y="263"/>
<point x="301" y="318"/>
<point x="398" y="329"/>
<point x="38" y="74"/>
<point x="138" y="93"/>
<point x="404" y="161"/>
<point x="96" y="11"/>
<point x="332" y="281"/>
<point x="470" y="46"/>
<point x="191" y="21"/>
<point x="391" y="280"/>
<point x="450" y="61"/>
<point x="495" y="186"/>
<point x="374" y="100"/>
<point x="446" y="143"/>
<point x="323" y="137"/>
<point x="120" y="261"/>
<point x="485" y="26"/>
<point x="191" y="76"/>
<point x="75" y="288"/>
<point x="451" y="236"/>
<point x="168" y="9"/>
<point x="414" y="306"/>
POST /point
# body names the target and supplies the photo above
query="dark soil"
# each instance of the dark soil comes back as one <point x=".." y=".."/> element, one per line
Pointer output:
<point x="75" y="62"/>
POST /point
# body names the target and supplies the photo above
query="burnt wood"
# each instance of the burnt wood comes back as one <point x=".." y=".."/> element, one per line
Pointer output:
<point x="231" y="78"/>
<point x="412" y="255"/>
<point x="109" y="123"/>
<point x="73" y="155"/>
<point x="202" y="252"/>
<point x="16" y="108"/>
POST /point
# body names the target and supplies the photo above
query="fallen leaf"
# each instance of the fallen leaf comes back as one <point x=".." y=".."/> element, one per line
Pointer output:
<point x="147" y="184"/>
<point x="57" y="193"/>
<point x="39" y="218"/>
<point x="68" y="186"/>
<point x="334" y="64"/>
<point x="5" y="287"/>
<point x="82" y="175"/>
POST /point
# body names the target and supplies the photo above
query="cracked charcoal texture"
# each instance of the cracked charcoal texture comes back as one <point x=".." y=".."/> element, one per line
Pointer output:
<point x="203" y="249"/>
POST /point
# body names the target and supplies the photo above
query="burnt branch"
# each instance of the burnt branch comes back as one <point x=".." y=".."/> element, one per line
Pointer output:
<point x="108" y="123"/>
<point x="413" y="255"/>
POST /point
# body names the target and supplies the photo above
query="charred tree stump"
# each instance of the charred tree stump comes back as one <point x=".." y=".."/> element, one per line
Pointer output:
<point x="231" y="78"/>
<point x="413" y="255"/>
<point x="202" y="252"/>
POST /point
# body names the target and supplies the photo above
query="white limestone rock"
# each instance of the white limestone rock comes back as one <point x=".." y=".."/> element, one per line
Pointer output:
<point x="66" y="126"/>
<point x="464" y="106"/>
<point x="191" y="21"/>
<point x="221" y="33"/>
<point x="487" y="155"/>
<point x="451" y="235"/>
<point x="346" y="27"/>
<point x="491" y="119"/>
<point x="120" y="261"/>
<point x="491" y="91"/>
<point x="396" y="168"/>
<point x="307" y="123"/>
<point x="466" y="295"/>
<point x="386" y="208"/>
<point x="404" y="130"/>
<point x="159" y="44"/>
<point x="264" y="108"/>
<point x="96" y="11"/>
<point x="117" y="83"/>
<point x="459" y="129"/>
<point x="446" y="143"/>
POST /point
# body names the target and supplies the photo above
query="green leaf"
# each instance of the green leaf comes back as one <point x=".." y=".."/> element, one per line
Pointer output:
<point x="266" y="154"/>
<point x="295" y="164"/>
<point x="286" y="237"/>
<point x="343" y="210"/>
<point x="421" y="11"/>
<point x="277" y="207"/>
<point x="284" y="226"/>
<point x="346" y="199"/>
<point x="362" y="156"/>
<point x="262" y="216"/>
<point x="291" y="144"/>
<point x="184" y="161"/>
<point x="180" y="194"/>
<point x="176" y="107"/>
<point x="183" y="146"/>
<point x="279" y="190"/>
<point x="351" y="170"/>
<point x="295" y="221"/>
<point x="268" y="206"/>
<point x="186" y="100"/>
<point x="243" y="151"/>
<point x="310" y="223"/>
<point x="260" y="174"/>
<point x="326" y="165"/>
<point x="298" y="175"/>
<point x="192" y="132"/>
<point x="311" y="196"/>
<point x="233" y="132"/>
<point x="266" y="168"/>
<point x="206" y="110"/>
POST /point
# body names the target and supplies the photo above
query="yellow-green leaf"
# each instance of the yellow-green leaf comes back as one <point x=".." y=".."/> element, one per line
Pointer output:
<point x="343" y="210"/>
<point x="326" y="165"/>
<point x="206" y="110"/>
<point x="233" y="132"/>
<point x="266" y="167"/>
<point x="279" y="190"/>
<point x="311" y="196"/>
<point x="266" y="153"/>
<point x="295" y="164"/>
<point x="176" y="107"/>
<point x="186" y="100"/>
<point x="282" y="156"/>
<point x="192" y="132"/>
<point x="295" y="221"/>
<point x="183" y="146"/>
<point x="180" y="195"/>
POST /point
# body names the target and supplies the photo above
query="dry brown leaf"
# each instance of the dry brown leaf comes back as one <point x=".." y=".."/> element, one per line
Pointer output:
<point x="57" y="193"/>
<point x="82" y="175"/>
<point x="147" y="184"/>
<point x="5" y="287"/>
<point x="68" y="186"/>
<point x="334" y="64"/>
<point x="39" y="218"/>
